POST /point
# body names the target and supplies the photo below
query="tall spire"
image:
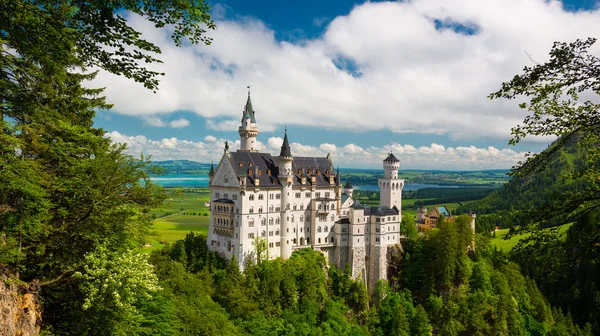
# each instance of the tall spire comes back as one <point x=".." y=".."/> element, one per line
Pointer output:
<point x="248" y="110"/>
<point x="211" y="173"/>
<point x="285" y="148"/>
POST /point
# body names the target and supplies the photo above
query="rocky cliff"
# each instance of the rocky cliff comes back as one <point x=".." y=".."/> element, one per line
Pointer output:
<point x="20" y="312"/>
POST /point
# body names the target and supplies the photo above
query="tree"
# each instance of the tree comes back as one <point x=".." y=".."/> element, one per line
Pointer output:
<point x="408" y="227"/>
<point x="555" y="90"/>
<point x="65" y="190"/>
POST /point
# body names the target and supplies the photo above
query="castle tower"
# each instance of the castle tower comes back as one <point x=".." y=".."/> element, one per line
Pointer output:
<point x="356" y="242"/>
<point x="390" y="187"/>
<point x="211" y="173"/>
<point x="248" y="130"/>
<point x="348" y="189"/>
<point x="285" y="177"/>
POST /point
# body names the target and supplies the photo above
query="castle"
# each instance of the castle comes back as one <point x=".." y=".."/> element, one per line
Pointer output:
<point x="294" y="202"/>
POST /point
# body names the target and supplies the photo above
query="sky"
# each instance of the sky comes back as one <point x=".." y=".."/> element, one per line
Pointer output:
<point x="354" y="79"/>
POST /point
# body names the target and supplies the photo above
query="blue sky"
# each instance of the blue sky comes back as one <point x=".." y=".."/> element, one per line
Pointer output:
<point x="351" y="78"/>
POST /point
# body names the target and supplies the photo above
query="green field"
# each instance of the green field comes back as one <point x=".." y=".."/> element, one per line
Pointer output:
<point x="505" y="245"/>
<point x="179" y="208"/>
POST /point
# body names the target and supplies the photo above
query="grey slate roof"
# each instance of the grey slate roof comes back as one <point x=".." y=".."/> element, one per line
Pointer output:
<point x="348" y="185"/>
<point x="249" y="111"/>
<point x="357" y="205"/>
<point x="264" y="162"/>
<point x="285" y="147"/>
<point x="223" y="200"/>
<point x="380" y="211"/>
<point x="344" y="198"/>
<point x="391" y="158"/>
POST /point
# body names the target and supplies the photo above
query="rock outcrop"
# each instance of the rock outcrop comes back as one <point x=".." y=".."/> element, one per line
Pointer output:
<point x="20" y="311"/>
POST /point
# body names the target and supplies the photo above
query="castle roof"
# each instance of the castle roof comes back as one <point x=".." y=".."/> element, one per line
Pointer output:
<point x="357" y="205"/>
<point x="211" y="173"/>
<point x="261" y="164"/>
<point x="380" y="211"/>
<point x="348" y="185"/>
<point x="249" y="111"/>
<point x="391" y="158"/>
<point x="285" y="147"/>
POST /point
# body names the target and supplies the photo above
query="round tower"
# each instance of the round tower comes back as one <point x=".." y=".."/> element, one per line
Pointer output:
<point x="390" y="187"/>
<point x="285" y="178"/>
<point x="248" y="130"/>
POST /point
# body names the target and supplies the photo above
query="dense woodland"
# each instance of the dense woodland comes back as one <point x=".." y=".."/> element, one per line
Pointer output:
<point x="74" y="208"/>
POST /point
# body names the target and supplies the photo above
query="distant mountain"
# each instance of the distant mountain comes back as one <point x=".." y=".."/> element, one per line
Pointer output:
<point x="514" y="202"/>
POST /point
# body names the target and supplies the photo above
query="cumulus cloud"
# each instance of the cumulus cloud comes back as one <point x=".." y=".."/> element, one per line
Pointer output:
<point x="352" y="156"/>
<point x="154" y="122"/>
<point x="385" y="65"/>
<point x="179" y="123"/>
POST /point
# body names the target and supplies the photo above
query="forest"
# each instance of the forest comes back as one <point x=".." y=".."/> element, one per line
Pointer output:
<point x="75" y="209"/>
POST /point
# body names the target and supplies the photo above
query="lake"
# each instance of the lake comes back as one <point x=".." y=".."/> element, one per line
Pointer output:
<point x="198" y="181"/>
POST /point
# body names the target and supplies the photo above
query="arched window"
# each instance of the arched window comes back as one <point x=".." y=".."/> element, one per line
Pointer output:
<point x="271" y="208"/>
<point x="320" y="206"/>
<point x="301" y="218"/>
<point x="295" y="207"/>
<point x="251" y="223"/>
<point x="251" y="210"/>
<point x="319" y="229"/>
<point x="263" y="221"/>
<point x="260" y="210"/>
<point x="332" y="206"/>
<point x="251" y="197"/>
<point x="293" y="219"/>
<point x="332" y="218"/>
<point x="270" y="221"/>
<point x="319" y="240"/>
<point x="325" y="229"/>
<point x="263" y="233"/>
<point x="277" y="220"/>
<point x="287" y="206"/>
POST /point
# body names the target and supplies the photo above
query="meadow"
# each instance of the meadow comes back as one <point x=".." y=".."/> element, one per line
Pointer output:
<point x="506" y="245"/>
<point x="182" y="212"/>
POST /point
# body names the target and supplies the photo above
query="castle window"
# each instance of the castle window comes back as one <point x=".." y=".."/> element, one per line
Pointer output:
<point x="317" y="195"/>
<point x="358" y="230"/>
<point x="319" y="229"/>
<point x="292" y="219"/>
<point x="332" y="206"/>
<point x="226" y="195"/>
<point x="251" y="210"/>
<point x="287" y="206"/>
<point x="259" y="172"/>
<point x="319" y="240"/>
<point x="270" y="244"/>
<point x="271" y="196"/>
<point x="301" y="206"/>
<point x="277" y="196"/>
<point x="251" y="223"/>
<point x="325" y="229"/>
<point x="271" y="208"/>
<point x="249" y="164"/>
<point x="277" y="244"/>
<point x="263" y="234"/>
<point x="301" y="219"/>
<point x="383" y="219"/>
<point x="320" y="206"/>
<point x="294" y="240"/>
<point x="308" y="240"/>
<point x="249" y="172"/>
<point x="277" y="209"/>
<point x="268" y="171"/>
<point x="358" y="240"/>
<point x="299" y="171"/>
<point x="332" y="218"/>
<point x="261" y="197"/>
<point x="234" y="196"/>
<point x="327" y="194"/>
<point x="270" y="233"/>
<point x="295" y="207"/>
<point x="298" y="195"/>
<point x="251" y="235"/>
<point x="277" y="220"/>
<point x="217" y="195"/>
<point x="307" y="195"/>
<point x="263" y="221"/>
<point x="300" y="229"/>
<point x="260" y="210"/>
<point x="325" y="239"/>
<point x="251" y="197"/>
<point x="277" y="232"/>
<point x="270" y="221"/>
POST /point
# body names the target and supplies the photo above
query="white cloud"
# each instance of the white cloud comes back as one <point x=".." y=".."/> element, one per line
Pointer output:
<point x="179" y="123"/>
<point x="154" y="122"/>
<point x="425" y="157"/>
<point x="210" y="138"/>
<point x="414" y="78"/>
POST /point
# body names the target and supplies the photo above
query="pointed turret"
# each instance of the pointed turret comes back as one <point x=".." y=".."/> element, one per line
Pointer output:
<point x="248" y="130"/>
<point x="337" y="177"/>
<point x="211" y="173"/>
<point x="248" y="110"/>
<point x="285" y="148"/>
